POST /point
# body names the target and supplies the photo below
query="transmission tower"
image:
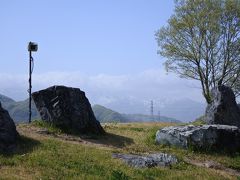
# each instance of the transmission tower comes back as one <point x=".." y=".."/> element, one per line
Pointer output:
<point x="151" y="110"/>
<point x="159" y="118"/>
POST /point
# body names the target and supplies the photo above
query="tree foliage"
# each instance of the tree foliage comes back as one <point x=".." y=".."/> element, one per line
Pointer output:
<point x="202" y="42"/>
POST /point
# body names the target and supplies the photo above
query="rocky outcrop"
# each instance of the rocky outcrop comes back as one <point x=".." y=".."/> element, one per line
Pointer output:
<point x="223" y="109"/>
<point x="8" y="133"/>
<point x="205" y="137"/>
<point x="67" y="108"/>
<point x="151" y="160"/>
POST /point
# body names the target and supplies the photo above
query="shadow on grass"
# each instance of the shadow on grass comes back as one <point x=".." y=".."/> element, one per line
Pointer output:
<point x="107" y="139"/>
<point x="110" y="139"/>
<point x="24" y="145"/>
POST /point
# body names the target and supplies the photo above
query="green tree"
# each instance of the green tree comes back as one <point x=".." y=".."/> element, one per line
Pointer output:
<point x="202" y="42"/>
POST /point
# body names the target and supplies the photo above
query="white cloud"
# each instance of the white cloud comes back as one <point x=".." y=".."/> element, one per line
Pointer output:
<point x="103" y="88"/>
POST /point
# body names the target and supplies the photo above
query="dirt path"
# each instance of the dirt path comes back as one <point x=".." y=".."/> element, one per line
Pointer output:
<point x="41" y="133"/>
<point x="213" y="165"/>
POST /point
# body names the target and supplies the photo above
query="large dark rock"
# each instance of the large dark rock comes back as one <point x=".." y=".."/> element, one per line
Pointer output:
<point x="205" y="137"/>
<point x="223" y="109"/>
<point x="8" y="133"/>
<point x="67" y="108"/>
<point x="151" y="160"/>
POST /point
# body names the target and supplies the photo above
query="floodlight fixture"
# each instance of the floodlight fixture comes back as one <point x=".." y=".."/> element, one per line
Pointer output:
<point x="32" y="46"/>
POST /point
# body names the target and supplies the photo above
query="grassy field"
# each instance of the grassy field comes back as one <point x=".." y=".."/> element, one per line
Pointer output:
<point x="54" y="155"/>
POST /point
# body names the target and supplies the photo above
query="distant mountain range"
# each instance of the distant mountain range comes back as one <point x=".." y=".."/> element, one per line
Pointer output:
<point x="19" y="112"/>
<point x="104" y="114"/>
<point x="184" y="110"/>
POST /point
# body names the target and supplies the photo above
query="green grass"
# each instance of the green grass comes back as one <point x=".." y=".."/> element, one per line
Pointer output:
<point x="49" y="126"/>
<point x="58" y="160"/>
<point x="199" y="121"/>
<point x="45" y="157"/>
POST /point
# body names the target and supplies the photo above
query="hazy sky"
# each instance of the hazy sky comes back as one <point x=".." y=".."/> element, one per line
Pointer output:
<point x="107" y="48"/>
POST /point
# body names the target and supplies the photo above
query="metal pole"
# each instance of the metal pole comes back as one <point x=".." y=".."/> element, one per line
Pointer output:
<point x="30" y="85"/>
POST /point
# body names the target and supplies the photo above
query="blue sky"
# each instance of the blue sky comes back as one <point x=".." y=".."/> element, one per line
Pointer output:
<point x="106" y="48"/>
<point x="91" y="36"/>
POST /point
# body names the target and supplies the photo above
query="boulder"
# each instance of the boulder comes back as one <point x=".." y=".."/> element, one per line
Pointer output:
<point x="8" y="133"/>
<point x="67" y="108"/>
<point x="151" y="160"/>
<point x="205" y="137"/>
<point x="223" y="109"/>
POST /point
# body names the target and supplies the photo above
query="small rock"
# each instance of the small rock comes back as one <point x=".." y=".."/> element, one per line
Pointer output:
<point x="43" y="131"/>
<point x="151" y="160"/>
<point x="211" y="164"/>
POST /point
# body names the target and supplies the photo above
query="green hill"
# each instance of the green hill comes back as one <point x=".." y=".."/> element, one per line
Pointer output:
<point x="5" y="101"/>
<point x="148" y="118"/>
<point x="18" y="110"/>
<point x="104" y="114"/>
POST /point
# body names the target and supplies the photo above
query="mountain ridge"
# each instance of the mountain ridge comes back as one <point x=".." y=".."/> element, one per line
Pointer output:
<point x="113" y="116"/>
<point x="183" y="109"/>
<point x="18" y="110"/>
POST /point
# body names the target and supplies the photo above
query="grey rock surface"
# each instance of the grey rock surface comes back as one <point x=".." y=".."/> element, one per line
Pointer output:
<point x="223" y="109"/>
<point x="151" y="160"/>
<point x="8" y="133"/>
<point x="205" y="137"/>
<point x="67" y="108"/>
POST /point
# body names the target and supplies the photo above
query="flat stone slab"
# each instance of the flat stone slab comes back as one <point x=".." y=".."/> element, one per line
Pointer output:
<point x="205" y="137"/>
<point x="147" y="161"/>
